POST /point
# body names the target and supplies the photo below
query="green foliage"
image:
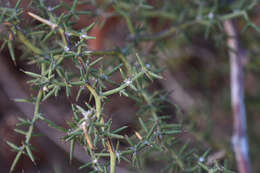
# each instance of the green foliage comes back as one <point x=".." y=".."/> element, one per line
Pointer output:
<point x="53" y="43"/>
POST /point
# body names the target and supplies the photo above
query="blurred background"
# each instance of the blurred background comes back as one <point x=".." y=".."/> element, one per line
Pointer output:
<point x="196" y="73"/>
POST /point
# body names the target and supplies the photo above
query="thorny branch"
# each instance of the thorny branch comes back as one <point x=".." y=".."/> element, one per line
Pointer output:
<point x="12" y="88"/>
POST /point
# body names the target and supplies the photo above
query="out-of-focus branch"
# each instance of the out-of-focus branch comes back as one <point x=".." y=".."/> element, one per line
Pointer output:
<point x="163" y="34"/>
<point x="239" y="139"/>
<point x="174" y="29"/>
<point x="179" y="95"/>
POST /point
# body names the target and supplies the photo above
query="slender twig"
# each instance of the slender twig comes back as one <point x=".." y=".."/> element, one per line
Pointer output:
<point x="239" y="139"/>
<point x="47" y="22"/>
<point x="30" y="131"/>
<point x="108" y="143"/>
<point x="116" y="90"/>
